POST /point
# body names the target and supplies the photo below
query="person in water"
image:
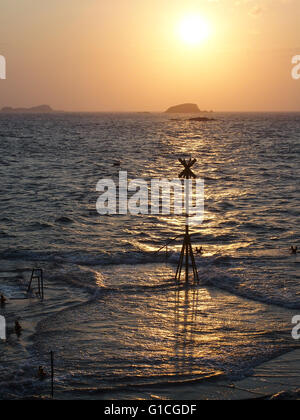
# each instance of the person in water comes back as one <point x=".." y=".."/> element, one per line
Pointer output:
<point x="199" y="251"/>
<point x="41" y="373"/>
<point x="294" y="249"/>
<point x="18" y="328"/>
<point x="2" y="299"/>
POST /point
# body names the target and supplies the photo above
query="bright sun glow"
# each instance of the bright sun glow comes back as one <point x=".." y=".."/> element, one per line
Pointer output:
<point x="194" y="30"/>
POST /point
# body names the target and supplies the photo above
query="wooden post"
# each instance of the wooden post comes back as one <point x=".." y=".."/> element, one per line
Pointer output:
<point x="39" y="285"/>
<point x="187" y="246"/>
<point x="31" y="278"/>
<point x="37" y="274"/>
<point x="52" y="373"/>
<point x="186" y="255"/>
<point x="42" y="283"/>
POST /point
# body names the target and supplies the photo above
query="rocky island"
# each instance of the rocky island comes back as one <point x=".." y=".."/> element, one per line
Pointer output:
<point x="35" y="109"/>
<point x="185" y="109"/>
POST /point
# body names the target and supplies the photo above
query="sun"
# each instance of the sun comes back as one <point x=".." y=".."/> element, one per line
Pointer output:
<point x="193" y="30"/>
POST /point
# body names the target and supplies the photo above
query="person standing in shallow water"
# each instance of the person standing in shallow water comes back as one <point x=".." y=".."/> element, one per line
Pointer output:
<point x="18" y="328"/>
<point x="41" y="374"/>
<point x="2" y="300"/>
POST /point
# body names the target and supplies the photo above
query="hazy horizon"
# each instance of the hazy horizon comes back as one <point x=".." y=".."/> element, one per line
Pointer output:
<point x="129" y="111"/>
<point x="131" y="56"/>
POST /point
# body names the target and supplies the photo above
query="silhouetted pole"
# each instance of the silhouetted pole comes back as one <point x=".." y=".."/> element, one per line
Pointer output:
<point x="187" y="250"/>
<point x="52" y="373"/>
<point x="37" y="274"/>
<point x="42" y="281"/>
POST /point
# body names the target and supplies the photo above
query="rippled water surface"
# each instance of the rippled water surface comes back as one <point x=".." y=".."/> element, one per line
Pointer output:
<point x="112" y="311"/>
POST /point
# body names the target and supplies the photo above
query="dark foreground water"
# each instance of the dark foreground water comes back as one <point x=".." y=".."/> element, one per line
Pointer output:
<point x="112" y="314"/>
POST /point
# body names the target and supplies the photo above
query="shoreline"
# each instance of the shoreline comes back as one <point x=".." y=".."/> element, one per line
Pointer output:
<point x="263" y="381"/>
<point x="278" y="378"/>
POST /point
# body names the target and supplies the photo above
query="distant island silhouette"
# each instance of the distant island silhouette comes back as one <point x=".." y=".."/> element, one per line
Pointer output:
<point x="184" y="109"/>
<point x="201" y="119"/>
<point x="196" y="119"/>
<point x="35" y="109"/>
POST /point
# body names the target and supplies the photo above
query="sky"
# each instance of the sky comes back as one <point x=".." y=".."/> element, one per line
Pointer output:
<point x="142" y="55"/>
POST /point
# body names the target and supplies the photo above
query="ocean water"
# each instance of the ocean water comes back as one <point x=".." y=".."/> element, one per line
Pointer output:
<point x="113" y="314"/>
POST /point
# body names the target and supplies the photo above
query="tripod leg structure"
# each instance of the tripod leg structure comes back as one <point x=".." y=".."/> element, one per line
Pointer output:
<point x="179" y="267"/>
<point x="37" y="274"/>
<point x="31" y="278"/>
<point x="195" y="271"/>
<point x="187" y="254"/>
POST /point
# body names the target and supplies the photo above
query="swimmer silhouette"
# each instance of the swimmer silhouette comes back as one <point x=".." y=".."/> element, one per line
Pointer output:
<point x="294" y="249"/>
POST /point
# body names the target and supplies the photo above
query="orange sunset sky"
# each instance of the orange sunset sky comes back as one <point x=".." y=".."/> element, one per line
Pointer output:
<point x="146" y="55"/>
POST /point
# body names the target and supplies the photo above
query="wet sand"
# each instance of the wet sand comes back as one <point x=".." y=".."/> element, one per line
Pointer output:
<point x="276" y="379"/>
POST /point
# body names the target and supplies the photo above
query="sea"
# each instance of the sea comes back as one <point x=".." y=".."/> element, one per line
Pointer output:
<point x="118" y="323"/>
